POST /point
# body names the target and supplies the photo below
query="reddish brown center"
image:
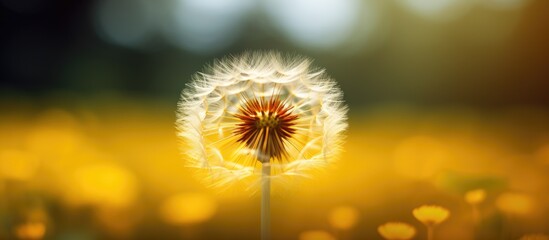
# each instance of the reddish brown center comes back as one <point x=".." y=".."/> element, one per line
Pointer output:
<point x="265" y="126"/>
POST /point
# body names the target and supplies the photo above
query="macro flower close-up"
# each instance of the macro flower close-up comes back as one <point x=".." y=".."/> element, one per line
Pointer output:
<point x="274" y="119"/>
<point x="397" y="231"/>
<point x="261" y="109"/>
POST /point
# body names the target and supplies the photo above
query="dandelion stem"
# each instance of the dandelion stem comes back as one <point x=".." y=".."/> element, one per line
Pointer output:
<point x="476" y="220"/>
<point x="476" y="215"/>
<point x="430" y="233"/>
<point x="266" y="201"/>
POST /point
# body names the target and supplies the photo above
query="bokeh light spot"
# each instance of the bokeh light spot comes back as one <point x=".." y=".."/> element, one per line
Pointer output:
<point x="343" y="217"/>
<point x="17" y="165"/>
<point x="515" y="203"/>
<point x="30" y="231"/>
<point x="420" y="157"/>
<point x="505" y="4"/>
<point x="102" y="184"/>
<point x="124" y="22"/>
<point x="315" y="24"/>
<point x="188" y="208"/>
<point x="206" y="26"/>
<point x="436" y="9"/>
<point x="542" y="154"/>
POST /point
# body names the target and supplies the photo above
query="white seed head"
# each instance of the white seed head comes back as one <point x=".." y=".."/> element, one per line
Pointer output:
<point x="260" y="108"/>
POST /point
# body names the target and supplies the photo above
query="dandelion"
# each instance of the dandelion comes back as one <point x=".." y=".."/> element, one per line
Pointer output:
<point x="513" y="205"/>
<point x="430" y="216"/>
<point x="259" y="114"/>
<point x="397" y="231"/>
<point x="474" y="198"/>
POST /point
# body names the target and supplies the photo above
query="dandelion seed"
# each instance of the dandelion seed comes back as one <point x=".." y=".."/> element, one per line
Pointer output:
<point x="259" y="114"/>
<point x="397" y="231"/>
<point x="430" y="216"/>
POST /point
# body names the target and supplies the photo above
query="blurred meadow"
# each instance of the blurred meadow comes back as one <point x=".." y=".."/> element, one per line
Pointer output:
<point x="448" y="133"/>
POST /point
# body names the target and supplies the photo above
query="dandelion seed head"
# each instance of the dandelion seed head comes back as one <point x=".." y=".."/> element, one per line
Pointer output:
<point x="260" y="108"/>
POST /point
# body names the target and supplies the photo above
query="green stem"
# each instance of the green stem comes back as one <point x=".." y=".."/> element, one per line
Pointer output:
<point x="266" y="201"/>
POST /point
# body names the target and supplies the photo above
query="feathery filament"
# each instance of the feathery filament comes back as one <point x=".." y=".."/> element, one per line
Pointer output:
<point x="260" y="107"/>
